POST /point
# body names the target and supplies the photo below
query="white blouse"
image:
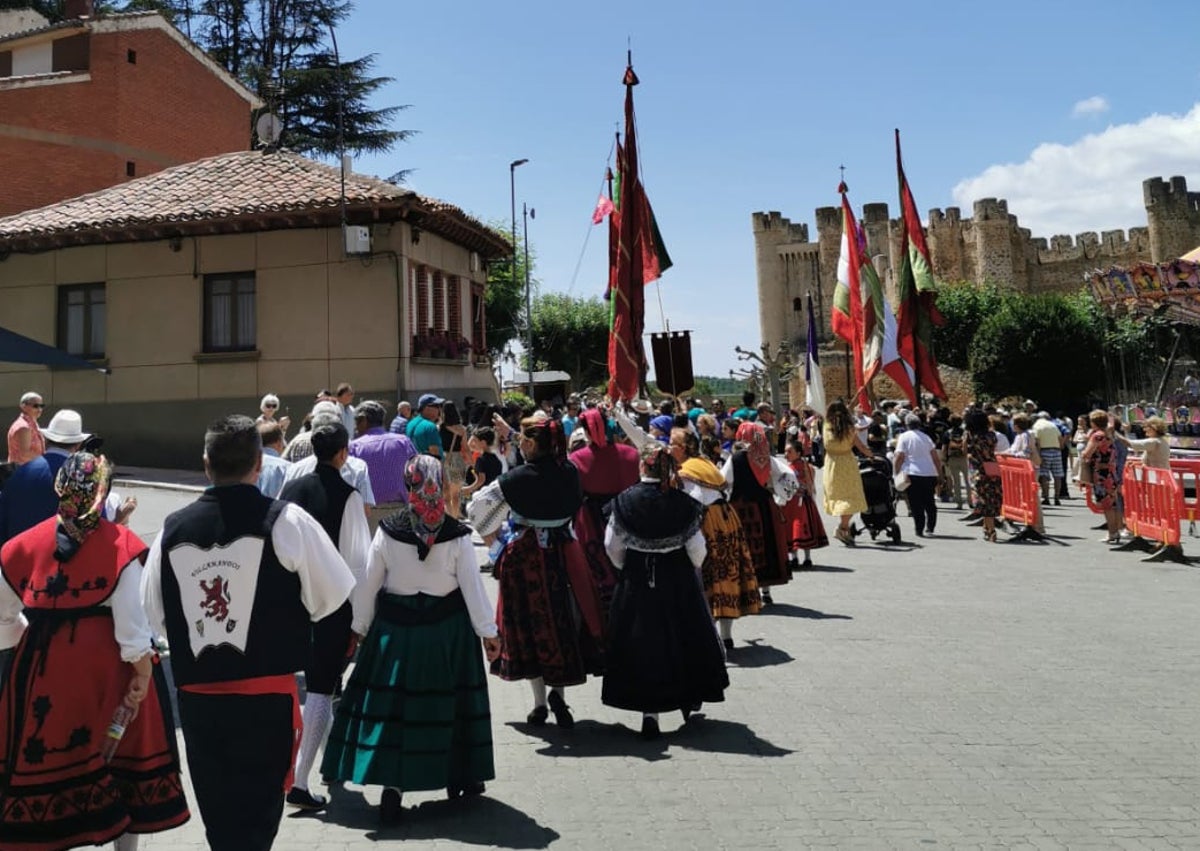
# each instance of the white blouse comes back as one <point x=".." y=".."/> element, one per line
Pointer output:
<point x="784" y="484"/>
<point x="131" y="628"/>
<point x="394" y="567"/>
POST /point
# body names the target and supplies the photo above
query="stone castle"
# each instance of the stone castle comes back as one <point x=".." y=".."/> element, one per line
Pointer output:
<point x="989" y="247"/>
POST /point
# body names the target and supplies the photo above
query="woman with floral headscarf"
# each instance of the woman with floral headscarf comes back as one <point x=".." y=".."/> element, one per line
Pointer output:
<point x="760" y="488"/>
<point x="415" y="714"/>
<point x="549" y="605"/>
<point x="662" y="653"/>
<point x="86" y="652"/>
<point x="605" y="469"/>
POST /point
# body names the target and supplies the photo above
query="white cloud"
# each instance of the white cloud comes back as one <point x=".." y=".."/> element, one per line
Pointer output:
<point x="1095" y="183"/>
<point x="1094" y="105"/>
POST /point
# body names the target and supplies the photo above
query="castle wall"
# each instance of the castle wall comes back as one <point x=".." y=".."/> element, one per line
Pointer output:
<point x="990" y="247"/>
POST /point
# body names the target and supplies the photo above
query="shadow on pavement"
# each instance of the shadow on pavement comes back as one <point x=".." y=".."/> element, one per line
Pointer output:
<point x="478" y="821"/>
<point x="710" y="735"/>
<point x="716" y="735"/>
<point x="593" y="738"/>
<point x="755" y="654"/>
<point x="825" y="568"/>
<point x="788" y="610"/>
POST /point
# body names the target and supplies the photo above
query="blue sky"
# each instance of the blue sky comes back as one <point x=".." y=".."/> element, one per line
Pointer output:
<point x="1063" y="108"/>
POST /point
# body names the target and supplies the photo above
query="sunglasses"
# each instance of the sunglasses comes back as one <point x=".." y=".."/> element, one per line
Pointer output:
<point x="38" y="405"/>
<point x="269" y="405"/>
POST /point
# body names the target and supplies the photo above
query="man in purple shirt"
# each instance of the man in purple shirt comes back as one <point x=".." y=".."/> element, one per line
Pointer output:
<point x="384" y="453"/>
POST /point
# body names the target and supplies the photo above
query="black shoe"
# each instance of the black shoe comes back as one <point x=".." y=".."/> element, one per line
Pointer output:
<point x="1057" y="501"/>
<point x="650" y="729"/>
<point x="562" y="712"/>
<point x="688" y="711"/>
<point x="390" y="807"/>
<point x="929" y="530"/>
<point x="728" y="643"/>
<point x="920" y="534"/>
<point x="806" y="564"/>
<point x="537" y="718"/>
<point x="766" y="597"/>
<point x="1045" y="502"/>
<point x="305" y="800"/>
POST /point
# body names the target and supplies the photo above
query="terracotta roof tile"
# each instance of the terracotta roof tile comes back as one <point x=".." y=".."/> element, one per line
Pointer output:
<point x="229" y="186"/>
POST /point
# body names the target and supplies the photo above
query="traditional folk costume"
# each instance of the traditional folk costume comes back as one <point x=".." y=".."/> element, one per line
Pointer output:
<point x="415" y="714"/>
<point x="605" y="469"/>
<point x="548" y="609"/>
<point x="338" y="507"/>
<point x="806" y="529"/>
<point x="236" y="580"/>
<point x="662" y="652"/>
<point x="761" y="486"/>
<point x="730" y="584"/>
<point x="77" y="578"/>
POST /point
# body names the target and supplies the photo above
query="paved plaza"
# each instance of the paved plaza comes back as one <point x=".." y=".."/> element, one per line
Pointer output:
<point x="942" y="694"/>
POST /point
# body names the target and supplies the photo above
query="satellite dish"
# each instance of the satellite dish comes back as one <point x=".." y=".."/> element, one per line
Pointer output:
<point x="269" y="128"/>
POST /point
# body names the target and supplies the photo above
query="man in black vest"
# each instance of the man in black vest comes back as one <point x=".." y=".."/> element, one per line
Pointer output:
<point x="338" y="507"/>
<point x="236" y="580"/>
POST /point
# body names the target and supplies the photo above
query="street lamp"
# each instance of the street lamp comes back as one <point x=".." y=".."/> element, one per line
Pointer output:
<point x="512" y="188"/>
<point x="528" y="213"/>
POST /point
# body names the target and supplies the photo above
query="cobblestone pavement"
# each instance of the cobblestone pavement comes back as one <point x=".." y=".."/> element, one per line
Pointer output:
<point x="943" y="694"/>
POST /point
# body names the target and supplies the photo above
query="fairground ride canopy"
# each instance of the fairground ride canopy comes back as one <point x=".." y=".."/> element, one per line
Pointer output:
<point x="1171" y="289"/>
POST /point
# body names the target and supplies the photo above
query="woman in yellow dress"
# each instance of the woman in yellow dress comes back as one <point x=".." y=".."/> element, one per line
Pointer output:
<point x="842" y="484"/>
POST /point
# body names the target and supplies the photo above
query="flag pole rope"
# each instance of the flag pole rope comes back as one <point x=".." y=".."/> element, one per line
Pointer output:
<point x="587" y="236"/>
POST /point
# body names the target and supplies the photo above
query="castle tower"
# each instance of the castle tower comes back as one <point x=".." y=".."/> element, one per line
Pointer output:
<point x="786" y="267"/>
<point x="993" y="247"/>
<point x="1173" y="215"/>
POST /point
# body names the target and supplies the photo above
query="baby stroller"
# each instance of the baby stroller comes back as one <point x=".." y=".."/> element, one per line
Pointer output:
<point x="880" y="491"/>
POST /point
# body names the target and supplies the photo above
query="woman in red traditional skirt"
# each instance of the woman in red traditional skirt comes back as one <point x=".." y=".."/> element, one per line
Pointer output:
<point x="761" y="486"/>
<point x="85" y="653"/>
<point x="807" y="531"/>
<point x="548" y="609"/>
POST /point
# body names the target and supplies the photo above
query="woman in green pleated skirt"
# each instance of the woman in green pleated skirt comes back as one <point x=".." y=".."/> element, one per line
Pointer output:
<point x="415" y="714"/>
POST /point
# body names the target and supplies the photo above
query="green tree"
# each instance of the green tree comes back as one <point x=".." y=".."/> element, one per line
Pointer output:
<point x="1048" y="347"/>
<point x="504" y="303"/>
<point x="571" y="334"/>
<point x="965" y="306"/>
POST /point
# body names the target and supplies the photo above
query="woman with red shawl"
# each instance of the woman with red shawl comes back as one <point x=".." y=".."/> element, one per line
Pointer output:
<point x="85" y="653"/>
<point x="605" y="469"/>
<point x="761" y="486"/>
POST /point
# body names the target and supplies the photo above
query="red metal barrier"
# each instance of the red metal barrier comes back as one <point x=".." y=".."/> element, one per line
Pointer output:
<point x="1022" y="499"/>
<point x="1155" y="499"/>
<point x="1187" y="473"/>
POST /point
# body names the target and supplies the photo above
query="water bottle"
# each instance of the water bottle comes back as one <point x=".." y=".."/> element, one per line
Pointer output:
<point x="116" y="730"/>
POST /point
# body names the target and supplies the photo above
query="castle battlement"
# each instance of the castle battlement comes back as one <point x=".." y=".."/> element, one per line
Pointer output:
<point x="952" y="215"/>
<point x="991" y="209"/>
<point x="774" y="221"/>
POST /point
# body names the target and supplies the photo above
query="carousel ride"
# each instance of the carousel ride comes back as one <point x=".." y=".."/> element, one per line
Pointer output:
<point x="1170" y="290"/>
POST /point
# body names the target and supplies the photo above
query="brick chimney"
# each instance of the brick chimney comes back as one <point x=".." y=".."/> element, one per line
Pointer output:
<point x="74" y="9"/>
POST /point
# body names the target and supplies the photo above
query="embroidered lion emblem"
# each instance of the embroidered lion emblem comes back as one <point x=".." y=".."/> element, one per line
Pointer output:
<point x="216" y="599"/>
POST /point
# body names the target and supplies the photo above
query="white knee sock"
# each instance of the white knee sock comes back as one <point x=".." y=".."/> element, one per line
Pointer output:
<point x="318" y="717"/>
<point x="539" y="691"/>
<point x="126" y="842"/>
<point x="725" y="625"/>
